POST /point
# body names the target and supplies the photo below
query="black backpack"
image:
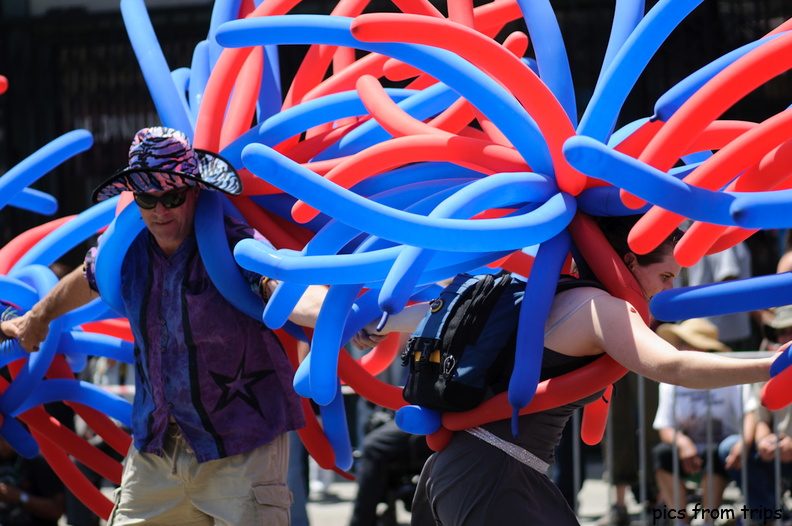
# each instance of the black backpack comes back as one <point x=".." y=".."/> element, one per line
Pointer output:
<point x="463" y="349"/>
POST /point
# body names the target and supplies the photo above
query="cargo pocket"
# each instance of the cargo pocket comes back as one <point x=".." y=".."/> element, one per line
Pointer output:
<point x="274" y="502"/>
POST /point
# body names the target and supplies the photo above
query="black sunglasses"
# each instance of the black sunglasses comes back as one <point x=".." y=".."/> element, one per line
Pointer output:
<point x="169" y="200"/>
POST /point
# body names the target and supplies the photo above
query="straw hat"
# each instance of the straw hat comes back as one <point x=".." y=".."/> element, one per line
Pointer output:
<point x="697" y="332"/>
<point x="782" y="318"/>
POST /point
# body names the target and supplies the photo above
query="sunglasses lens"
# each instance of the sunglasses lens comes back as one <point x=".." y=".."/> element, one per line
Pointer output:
<point x="169" y="200"/>
<point x="173" y="200"/>
<point x="146" y="201"/>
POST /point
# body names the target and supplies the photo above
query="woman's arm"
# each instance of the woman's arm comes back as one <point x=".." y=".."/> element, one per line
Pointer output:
<point x="618" y="329"/>
<point x="405" y="321"/>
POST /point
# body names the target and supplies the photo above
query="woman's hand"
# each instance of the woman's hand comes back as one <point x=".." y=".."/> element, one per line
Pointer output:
<point x="367" y="337"/>
<point x="767" y="446"/>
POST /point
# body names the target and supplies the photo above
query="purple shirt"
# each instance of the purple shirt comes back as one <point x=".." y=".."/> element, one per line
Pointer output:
<point x="222" y="375"/>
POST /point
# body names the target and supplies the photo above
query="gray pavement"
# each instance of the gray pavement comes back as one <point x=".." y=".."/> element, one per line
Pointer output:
<point x="335" y="507"/>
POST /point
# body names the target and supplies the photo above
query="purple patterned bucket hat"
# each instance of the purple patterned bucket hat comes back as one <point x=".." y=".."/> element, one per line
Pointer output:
<point x="163" y="159"/>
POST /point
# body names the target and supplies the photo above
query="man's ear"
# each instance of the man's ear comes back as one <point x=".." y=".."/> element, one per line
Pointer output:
<point x="630" y="260"/>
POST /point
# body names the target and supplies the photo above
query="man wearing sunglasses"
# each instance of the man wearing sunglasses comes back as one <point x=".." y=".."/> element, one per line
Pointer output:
<point x="214" y="400"/>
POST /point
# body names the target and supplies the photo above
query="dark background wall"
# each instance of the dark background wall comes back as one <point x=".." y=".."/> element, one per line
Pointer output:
<point x="71" y="69"/>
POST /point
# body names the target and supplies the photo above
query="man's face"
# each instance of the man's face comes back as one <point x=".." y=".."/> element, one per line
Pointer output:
<point x="170" y="226"/>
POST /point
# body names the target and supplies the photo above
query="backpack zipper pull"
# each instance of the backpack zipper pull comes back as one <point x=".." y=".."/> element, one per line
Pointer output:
<point x="448" y="366"/>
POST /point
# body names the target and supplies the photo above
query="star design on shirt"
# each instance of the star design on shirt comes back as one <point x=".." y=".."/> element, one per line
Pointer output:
<point x="239" y="386"/>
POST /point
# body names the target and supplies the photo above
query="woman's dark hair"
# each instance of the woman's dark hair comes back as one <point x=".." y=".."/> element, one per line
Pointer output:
<point x="616" y="230"/>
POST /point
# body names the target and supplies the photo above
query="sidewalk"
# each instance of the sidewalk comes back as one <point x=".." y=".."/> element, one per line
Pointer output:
<point x="336" y="508"/>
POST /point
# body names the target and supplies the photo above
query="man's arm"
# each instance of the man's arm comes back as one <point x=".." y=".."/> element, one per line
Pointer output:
<point x="68" y="294"/>
<point x="307" y="309"/>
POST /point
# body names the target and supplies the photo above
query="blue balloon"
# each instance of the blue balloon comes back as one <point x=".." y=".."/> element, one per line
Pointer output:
<point x="418" y="420"/>
<point x="783" y="361"/>
<point x="94" y="310"/>
<point x="335" y="426"/>
<point x="85" y="393"/>
<point x="606" y="201"/>
<point x="420" y="105"/>
<point x="324" y="349"/>
<point x="35" y="201"/>
<point x="166" y="97"/>
<point x="331" y="240"/>
<point x="113" y="246"/>
<point x="551" y="55"/>
<point x="63" y="239"/>
<point x="499" y="190"/>
<point x="401" y="179"/>
<point x="442" y="234"/>
<point x="671" y="100"/>
<point x="222" y="12"/>
<point x="467" y="80"/>
<point x="39" y="277"/>
<point x="19" y="438"/>
<point x="626" y="16"/>
<point x="616" y="82"/>
<point x="11" y="351"/>
<point x="76" y="362"/>
<point x="47" y="158"/>
<point x="295" y="120"/>
<point x="181" y="79"/>
<point x="218" y="259"/>
<point x="597" y="160"/>
<point x="32" y="372"/>
<point x="199" y="77"/>
<point x="535" y="307"/>
<point x="339" y="269"/>
<point x="762" y="209"/>
<point x="18" y="292"/>
<point x="743" y="295"/>
<point x="96" y="344"/>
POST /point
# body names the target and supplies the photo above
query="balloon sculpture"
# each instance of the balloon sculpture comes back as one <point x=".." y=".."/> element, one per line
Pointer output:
<point x="478" y="162"/>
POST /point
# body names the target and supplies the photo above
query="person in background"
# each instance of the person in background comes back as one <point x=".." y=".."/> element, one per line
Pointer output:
<point x="767" y="433"/>
<point x="30" y="492"/>
<point x="625" y="437"/>
<point x="733" y="263"/>
<point x="681" y="421"/>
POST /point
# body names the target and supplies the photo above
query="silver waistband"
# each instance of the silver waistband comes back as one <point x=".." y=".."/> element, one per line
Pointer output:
<point x="513" y="450"/>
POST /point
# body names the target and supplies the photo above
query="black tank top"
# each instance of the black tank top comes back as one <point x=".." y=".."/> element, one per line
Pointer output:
<point x="540" y="432"/>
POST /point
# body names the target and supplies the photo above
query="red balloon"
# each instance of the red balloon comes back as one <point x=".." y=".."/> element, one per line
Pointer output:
<point x="595" y="418"/>
<point x="368" y="386"/>
<point x="776" y="393"/>
<point x="495" y="60"/>
<point x="118" y="328"/>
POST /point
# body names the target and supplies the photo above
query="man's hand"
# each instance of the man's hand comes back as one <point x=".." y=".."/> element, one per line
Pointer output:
<point x="688" y="455"/>
<point x="9" y="493"/>
<point x="785" y="446"/>
<point x="28" y="329"/>
<point x="767" y="446"/>
<point x="734" y="460"/>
